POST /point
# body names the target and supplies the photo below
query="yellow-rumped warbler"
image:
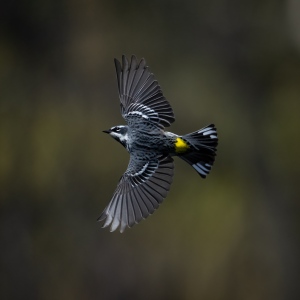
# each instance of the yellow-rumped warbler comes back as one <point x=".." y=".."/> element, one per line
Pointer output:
<point x="148" y="177"/>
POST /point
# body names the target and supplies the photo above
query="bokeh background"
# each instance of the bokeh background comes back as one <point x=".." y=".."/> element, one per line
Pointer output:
<point x="234" y="235"/>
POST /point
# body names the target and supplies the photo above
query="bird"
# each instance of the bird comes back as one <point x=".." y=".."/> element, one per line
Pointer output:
<point x="147" y="179"/>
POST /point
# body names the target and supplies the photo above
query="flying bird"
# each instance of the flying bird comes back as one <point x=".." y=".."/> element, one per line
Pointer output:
<point x="146" y="182"/>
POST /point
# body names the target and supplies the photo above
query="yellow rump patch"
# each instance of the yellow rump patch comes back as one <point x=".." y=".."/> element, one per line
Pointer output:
<point x="181" y="146"/>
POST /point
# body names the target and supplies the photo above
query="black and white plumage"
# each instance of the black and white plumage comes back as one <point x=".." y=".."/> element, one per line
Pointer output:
<point x="140" y="95"/>
<point x="148" y="177"/>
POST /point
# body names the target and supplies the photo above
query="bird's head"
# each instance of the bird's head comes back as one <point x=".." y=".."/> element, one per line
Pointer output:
<point x="119" y="133"/>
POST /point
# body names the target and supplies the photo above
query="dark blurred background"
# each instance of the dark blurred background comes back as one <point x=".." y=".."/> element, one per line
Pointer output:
<point x="234" y="235"/>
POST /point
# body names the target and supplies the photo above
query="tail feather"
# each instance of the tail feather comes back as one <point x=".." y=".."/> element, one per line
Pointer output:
<point x="202" y="149"/>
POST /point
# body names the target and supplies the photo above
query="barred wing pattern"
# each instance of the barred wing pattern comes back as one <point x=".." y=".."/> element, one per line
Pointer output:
<point x="139" y="193"/>
<point x="140" y="94"/>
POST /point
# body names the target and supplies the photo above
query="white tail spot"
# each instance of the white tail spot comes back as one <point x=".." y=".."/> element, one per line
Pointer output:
<point x="209" y="132"/>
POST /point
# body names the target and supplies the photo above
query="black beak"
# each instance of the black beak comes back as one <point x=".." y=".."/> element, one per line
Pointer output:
<point x="107" y="131"/>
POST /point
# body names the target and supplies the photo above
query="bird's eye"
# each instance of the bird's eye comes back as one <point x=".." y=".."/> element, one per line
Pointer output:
<point x="117" y="129"/>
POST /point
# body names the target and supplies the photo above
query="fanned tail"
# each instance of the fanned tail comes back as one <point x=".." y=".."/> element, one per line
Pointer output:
<point x="202" y="149"/>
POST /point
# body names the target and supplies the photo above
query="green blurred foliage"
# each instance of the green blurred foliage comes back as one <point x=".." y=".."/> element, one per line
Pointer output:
<point x="234" y="235"/>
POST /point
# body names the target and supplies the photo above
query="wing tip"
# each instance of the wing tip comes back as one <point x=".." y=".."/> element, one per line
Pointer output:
<point x="125" y="62"/>
<point x="114" y="225"/>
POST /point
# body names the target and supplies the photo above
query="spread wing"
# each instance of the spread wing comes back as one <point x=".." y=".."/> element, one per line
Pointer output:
<point x="140" y="94"/>
<point x="139" y="193"/>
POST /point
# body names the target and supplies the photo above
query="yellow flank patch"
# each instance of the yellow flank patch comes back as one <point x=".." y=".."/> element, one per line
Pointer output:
<point x="180" y="145"/>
